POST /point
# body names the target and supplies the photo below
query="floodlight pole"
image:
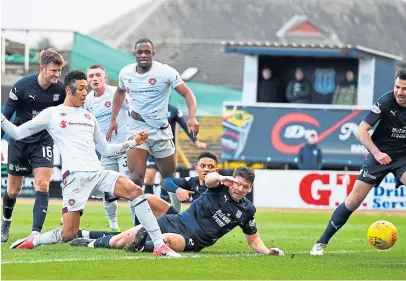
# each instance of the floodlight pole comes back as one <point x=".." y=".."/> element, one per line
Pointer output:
<point x="27" y="53"/>
<point x="26" y="45"/>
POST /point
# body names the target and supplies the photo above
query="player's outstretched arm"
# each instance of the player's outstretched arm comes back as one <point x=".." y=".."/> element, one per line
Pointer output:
<point x="110" y="149"/>
<point x="8" y="112"/>
<point x="118" y="100"/>
<point x="180" y="187"/>
<point x="39" y="123"/>
<point x="256" y="243"/>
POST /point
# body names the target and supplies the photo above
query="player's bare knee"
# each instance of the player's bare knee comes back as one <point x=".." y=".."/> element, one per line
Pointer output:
<point x="135" y="191"/>
<point x="42" y="185"/>
<point x="13" y="191"/>
<point x="175" y="241"/>
<point x="14" y="187"/>
<point x="354" y="200"/>
<point x="136" y="178"/>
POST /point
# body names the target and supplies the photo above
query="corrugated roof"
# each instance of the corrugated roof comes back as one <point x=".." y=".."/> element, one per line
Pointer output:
<point x="306" y="45"/>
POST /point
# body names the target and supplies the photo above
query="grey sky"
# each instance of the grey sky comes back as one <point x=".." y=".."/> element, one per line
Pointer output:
<point x="79" y="15"/>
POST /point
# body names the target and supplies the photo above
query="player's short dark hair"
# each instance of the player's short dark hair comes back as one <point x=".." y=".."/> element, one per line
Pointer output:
<point x="245" y="173"/>
<point x="401" y="74"/>
<point x="95" y="66"/>
<point x="71" y="78"/>
<point x="49" y="56"/>
<point x="207" y="154"/>
<point x="143" y="40"/>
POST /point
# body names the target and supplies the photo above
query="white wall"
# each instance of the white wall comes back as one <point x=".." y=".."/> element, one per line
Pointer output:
<point x="366" y="78"/>
<point x="249" y="92"/>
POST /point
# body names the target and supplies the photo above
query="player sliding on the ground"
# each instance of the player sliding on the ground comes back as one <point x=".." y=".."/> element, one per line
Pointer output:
<point x="215" y="213"/>
<point x="189" y="188"/>
<point x="77" y="135"/>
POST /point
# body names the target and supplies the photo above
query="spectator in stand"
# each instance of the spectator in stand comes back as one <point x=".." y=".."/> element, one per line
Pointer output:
<point x="310" y="156"/>
<point x="346" y="92"/>
<point x="299" y="90"/>
<point x="268" y="87"/>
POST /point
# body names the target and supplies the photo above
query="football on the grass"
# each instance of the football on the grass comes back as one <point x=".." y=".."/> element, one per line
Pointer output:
<point x="382" y="235"/>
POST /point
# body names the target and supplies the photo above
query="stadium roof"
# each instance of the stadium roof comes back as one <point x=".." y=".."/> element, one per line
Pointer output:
<point x="303" y="49"/>
<point x="178" y="28"/>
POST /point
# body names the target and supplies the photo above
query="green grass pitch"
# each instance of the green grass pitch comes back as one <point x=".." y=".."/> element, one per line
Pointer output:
<point x="349" y="256"/>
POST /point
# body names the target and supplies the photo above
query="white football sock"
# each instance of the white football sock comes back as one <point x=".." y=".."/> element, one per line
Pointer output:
<point x="91" y="244"/>
<point x="132" y="213"/>
<point x="147" y="219"/>
<point x="51" y="237"/>
<point x="111" y="212"/>
<point x="85" y="234"/>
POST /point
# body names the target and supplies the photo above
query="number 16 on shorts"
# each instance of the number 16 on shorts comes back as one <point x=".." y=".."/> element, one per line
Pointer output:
<point x="47" y="152"/>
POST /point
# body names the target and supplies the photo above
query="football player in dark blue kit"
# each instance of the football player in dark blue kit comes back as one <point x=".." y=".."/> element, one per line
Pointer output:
<point x="215" y="213"/>
<point x="29" y="96"/>
<point x="174" y="116"/>
<point x="184" y="188"/>
<point x="387" y="154"/>
<point x="193" y="186"/>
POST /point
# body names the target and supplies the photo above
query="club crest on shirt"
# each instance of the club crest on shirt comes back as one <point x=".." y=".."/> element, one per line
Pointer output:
<point x="56" y="97"/>
<point x="87" y="115"/>
<point x="107" y="104"/>
<point x="152" y="81"/>
<point x="62" y="124"/>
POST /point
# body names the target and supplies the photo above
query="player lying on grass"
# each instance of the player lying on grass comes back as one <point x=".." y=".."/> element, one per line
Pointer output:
<point x="184" y="188"/>
<point x="215" y="213"/>
<point x="77" y="134"/>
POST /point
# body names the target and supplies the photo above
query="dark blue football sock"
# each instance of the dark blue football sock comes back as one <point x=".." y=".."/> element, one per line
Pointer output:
<point x="8" y="206"/>
<point x="172" y="210"/>
<point x="148" y="188"/>
<point x="103" y="242"/>
<point x="338" y="219"/>
<point x="40" y="210"/>
<point x="98" y="234"/>
<point x="149" y="246"/>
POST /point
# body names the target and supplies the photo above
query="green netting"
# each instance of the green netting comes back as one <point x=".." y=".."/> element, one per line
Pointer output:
<point x="19" y="58"/>
<point x="87" y="51"/>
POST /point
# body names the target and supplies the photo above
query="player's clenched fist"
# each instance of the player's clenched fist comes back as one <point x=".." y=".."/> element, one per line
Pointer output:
<point x="141" y="137"/>
<point x="382" y="158"/>
<point x="276" y="252"/>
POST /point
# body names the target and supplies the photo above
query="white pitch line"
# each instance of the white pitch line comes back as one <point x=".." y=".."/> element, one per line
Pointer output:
<point x="190" y="256"/>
